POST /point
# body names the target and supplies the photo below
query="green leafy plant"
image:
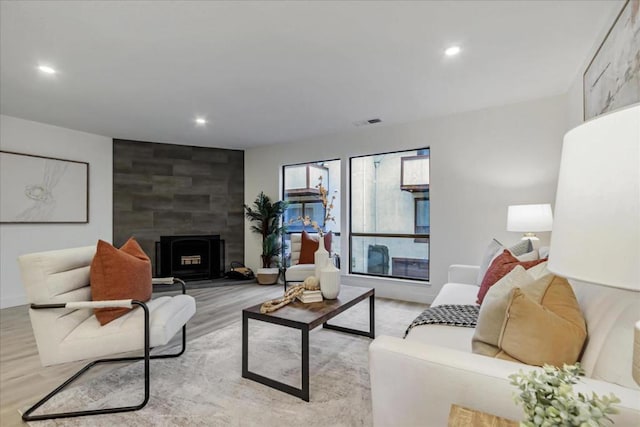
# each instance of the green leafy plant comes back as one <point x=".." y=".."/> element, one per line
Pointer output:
<point x="266" y="217"/>
<point x="548" y="399"/>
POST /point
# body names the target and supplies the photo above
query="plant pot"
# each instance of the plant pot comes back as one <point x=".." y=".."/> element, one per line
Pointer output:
<point x="267" y="276"/>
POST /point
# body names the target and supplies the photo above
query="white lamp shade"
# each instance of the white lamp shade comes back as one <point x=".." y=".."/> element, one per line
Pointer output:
<point x="529" y="218"/>
<point x="596" y="233"/>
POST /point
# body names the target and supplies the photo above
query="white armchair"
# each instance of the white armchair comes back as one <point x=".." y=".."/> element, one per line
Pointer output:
<point x="297" y="272"/>
<point x="65" y="328"/>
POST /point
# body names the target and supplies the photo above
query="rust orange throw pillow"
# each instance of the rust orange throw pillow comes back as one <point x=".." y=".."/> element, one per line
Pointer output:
<point x="499" y="268"/>
<point x="310" y="246"/>
<point x="123" y="273"/>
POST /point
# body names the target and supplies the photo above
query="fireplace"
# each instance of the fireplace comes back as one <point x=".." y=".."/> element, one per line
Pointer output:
<point x="190" y="257"/>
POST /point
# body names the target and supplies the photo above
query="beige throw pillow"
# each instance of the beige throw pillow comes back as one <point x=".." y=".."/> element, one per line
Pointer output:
<point x="552" y="295"/>
<point x="493" y="310"/>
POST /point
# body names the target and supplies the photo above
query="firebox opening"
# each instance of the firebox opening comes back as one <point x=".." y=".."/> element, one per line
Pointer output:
<point x="190" y="257"/>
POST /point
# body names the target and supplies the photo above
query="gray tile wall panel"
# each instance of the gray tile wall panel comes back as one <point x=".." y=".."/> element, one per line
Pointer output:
<point x="164" y="189"/>
<point x="151" y="167"/>
<point x="192" y="202"/>
<point x="195" y="168"/>
<point x="170" y="220"/>
<point x="171" y="184"/>
<point x="206" y="155"/>
<point x="153" y="202"/>
<point x="166" y="151"/>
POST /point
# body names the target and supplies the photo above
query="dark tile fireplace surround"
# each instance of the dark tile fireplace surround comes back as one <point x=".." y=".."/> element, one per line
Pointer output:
<point x="180" y="191"/>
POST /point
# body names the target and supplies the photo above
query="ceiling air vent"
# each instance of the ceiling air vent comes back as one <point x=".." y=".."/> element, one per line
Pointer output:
<point x="367" y="122"/>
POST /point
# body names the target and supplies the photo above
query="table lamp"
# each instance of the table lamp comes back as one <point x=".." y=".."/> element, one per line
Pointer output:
<point x="529" y="219"/>
<point x="596" y="233"/>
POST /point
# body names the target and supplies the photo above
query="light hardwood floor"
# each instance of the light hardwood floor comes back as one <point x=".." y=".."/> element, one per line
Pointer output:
<point x="23" y="380"/>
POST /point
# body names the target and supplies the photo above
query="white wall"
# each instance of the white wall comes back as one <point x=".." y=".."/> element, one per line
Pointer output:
<point x="481" y="162"/>
<point x="29" y="137"/>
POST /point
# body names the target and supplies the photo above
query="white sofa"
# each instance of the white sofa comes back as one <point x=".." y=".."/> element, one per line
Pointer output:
<point x="414" y="381"/>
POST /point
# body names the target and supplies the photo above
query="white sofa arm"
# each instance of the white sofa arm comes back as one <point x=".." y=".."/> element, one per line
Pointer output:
<point x="415" y="384"/>
<point x="466" y="274"/>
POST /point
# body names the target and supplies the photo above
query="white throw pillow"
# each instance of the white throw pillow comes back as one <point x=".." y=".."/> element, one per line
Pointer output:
<point x="495" y="249"/>
<point x="522" y="247"/>
<point x="488" y="256"/>
<point x="537" y="271"/>
<point x="529" y="256"/>
<point x="543" y="251"/>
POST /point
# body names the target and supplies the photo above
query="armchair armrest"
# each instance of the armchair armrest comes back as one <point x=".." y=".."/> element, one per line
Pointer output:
<point x="126" y="303"/>
<point x="412" y="383"/>
<point x="168" y="281"/>
<point x="162" y="281"/>
<point x="76" y="305"/>
<point x="466" y="274"/>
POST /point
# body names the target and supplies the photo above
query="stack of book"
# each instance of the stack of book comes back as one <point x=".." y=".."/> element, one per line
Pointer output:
<point x="310" y="296"/>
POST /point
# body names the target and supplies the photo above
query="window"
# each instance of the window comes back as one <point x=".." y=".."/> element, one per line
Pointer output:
<point x="421" y="218"/>
<point x="390" y="223"/>
<point x="300" y="189"/>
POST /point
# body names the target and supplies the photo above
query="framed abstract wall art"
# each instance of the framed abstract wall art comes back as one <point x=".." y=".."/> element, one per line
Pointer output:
<point x="37" y="189"/>
<point x="612" y="78"/>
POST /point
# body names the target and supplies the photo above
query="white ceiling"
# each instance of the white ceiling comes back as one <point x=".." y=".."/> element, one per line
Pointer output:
<point x="267" y="72"/>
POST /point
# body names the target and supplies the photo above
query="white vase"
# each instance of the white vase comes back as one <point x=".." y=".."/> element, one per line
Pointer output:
<point x="330" y="280"/>
<point x="320" y="257"/>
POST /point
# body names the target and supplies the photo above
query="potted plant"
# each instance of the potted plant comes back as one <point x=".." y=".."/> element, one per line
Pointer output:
<point x="266" y="218"/>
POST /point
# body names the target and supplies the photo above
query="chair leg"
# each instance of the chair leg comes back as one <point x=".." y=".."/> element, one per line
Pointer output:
<point x="28" y="417"/>
<point x="147" y="357"/>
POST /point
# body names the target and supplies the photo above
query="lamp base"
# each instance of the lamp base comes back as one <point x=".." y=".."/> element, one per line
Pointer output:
<point x="529" y="236"/>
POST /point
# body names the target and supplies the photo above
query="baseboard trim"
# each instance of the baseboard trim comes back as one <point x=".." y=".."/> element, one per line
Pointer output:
<point x="394" y="288"/>
<point x="12" y="301"/>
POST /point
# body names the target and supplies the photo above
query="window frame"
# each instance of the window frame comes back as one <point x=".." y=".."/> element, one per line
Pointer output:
<point x="415" y="236"/>
<point x="284" y="196"/>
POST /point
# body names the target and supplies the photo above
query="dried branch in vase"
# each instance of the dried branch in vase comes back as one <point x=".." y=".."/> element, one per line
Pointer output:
<point x="327" y="207"/>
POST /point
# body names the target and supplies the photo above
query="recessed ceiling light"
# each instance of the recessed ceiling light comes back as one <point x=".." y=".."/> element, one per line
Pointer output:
<point x="201" y="121"/>
<point x="46" y="69"/>
<point x="452" y="51"/>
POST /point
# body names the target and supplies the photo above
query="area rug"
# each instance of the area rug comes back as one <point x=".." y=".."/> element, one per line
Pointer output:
<point x="204" y="386"/>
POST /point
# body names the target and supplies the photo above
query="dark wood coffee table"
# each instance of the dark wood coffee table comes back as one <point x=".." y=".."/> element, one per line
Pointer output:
<point x="305" y="317"/>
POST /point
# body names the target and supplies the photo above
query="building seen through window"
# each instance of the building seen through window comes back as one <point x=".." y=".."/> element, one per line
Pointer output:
<point x="390" y="222"/>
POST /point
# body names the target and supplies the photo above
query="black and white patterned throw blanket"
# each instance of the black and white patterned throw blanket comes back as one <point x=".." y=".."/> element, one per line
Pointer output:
<point x="447" y="314"/>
